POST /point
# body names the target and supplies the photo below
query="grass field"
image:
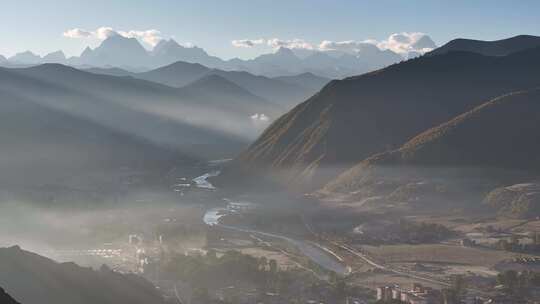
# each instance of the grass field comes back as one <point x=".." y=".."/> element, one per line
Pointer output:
<point x="373" y="281"/>
<point x="438" y="253"/>
<point x="466" y="224"/>
<point x="282" y="260"/>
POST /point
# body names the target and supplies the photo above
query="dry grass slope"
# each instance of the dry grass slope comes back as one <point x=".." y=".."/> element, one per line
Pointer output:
<point x="355" y="118"/>
<point x="497" y="140"/>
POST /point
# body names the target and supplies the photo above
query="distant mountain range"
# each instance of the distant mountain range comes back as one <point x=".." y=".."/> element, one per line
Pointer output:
<point x="327" y="64"/>
<point x="120" y="52"/>
<point x="33" y="279"/>
<point x="287" y="92"/>
<point x="54" y="131"/>
<point x="107" y="118"/>
<point x="57" y="121"/>
<point x="355" y="118"/>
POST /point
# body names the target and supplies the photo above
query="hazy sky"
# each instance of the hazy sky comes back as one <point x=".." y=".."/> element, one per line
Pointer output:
<point x="39" y="25"/>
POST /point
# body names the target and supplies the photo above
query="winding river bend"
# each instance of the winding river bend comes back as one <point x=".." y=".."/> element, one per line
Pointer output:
<point x="313" y="251"/>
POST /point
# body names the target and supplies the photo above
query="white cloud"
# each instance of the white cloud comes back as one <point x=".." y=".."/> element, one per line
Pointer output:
<point x="77" y="33"/>
<point x="260" y="117"/>
<point x="248" y="43"/>
<point x="274" y="43"/>
<point x="103" y="33"/>
<point x="348" y="46"/>
<point x="150" y="37"/>
<point x="290" y="44"/>
<point x="405" y="43"/>
<point x="401" y="43"/>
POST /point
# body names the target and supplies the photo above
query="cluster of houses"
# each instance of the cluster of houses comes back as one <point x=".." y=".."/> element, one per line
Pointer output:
<point x="417" y="295"/>
<point x="526" y="260"/>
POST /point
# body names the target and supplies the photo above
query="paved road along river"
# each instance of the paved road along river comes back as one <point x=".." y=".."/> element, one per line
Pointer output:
<point x="313" y="251"/>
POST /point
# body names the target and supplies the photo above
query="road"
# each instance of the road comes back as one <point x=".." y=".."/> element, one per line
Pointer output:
<point x="177" y="295"/>
<point x="321" y="254"/>
<point x="313" y="252"/>
<point x="386" y="268"/>
<point x="316" y="252"/>
<point x="369" y="261"/>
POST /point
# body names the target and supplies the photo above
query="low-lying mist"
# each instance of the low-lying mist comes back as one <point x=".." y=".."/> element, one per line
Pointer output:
<point x="49" y="229"/>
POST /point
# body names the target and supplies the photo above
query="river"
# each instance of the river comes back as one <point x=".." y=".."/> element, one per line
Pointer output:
<point x="311" y="250"/>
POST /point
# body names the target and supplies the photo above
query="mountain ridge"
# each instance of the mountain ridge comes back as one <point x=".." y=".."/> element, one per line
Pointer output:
<point x="32" y="278"/>
<point x="128" y="53"/>
<point x="378" y="110"/>
<point x="457" y="155"/>
<point x="6" y="298"/>
<point x="122" y="103"/>
<point x="500" y="47"/>
<point x="179" y="74"/>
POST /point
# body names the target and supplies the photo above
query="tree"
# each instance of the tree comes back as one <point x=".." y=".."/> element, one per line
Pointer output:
<point x="273" y="266"/>
<point x="509" y="279"/>
<point x="449" y="296"/>
<point x="201" y="295"/>
<point x="284" y="281"/>
<point x="105" y="268"/>
<point x="211" y="256"/>
<point x="514" y="242"/>
<point x="263" y="262"/>
<point x="340" y="289"/>
<point x="459" y="287"/>
<point x="505" y="245"/>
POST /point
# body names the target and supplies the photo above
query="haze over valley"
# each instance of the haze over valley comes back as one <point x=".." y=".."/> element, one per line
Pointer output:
<point x="355" y="155"/>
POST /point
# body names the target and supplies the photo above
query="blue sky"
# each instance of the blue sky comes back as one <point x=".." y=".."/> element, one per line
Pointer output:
<point x="212" y="24"/>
